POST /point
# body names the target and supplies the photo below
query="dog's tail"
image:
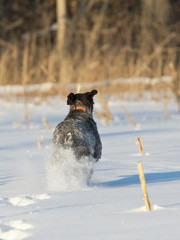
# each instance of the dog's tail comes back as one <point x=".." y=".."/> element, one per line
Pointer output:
<point x="68" y="139"/>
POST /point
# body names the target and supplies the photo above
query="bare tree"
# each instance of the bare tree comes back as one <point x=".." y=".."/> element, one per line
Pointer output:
<point x="61" y="20"/>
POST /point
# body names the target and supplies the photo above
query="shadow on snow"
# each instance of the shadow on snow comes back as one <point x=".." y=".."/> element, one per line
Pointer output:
<point x="137" y="131"/>
<point x="5" y="180"/>
<point x="128" y="180"/>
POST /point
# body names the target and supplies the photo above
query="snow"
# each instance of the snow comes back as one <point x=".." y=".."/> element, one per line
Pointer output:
<point x="121" y="81"/>
<point x="19" y="89"/>
<point x="69" y="174"/>
<point x="46" y="87"/>
<point x="112" y="206"/>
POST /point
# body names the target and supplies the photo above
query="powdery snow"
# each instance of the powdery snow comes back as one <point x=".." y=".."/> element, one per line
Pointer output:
<point x="35" y="202"/>
<point x="15" y="229"/>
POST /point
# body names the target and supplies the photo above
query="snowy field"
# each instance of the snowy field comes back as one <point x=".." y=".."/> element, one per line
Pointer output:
<point x="112" y="206"/>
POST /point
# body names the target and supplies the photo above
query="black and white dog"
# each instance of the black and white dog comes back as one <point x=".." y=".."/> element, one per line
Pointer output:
<point x="78" y="132"/>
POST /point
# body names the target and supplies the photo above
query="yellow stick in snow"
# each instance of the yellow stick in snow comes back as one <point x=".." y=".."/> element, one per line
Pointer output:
<point x="143" y="185"/>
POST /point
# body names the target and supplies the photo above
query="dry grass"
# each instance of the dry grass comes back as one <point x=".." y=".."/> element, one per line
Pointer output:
<point x="94" y="54"/>
<point x="46" y="124"/>
<point x="30" y="62"/>
<point x="140" y="146"/>
<point x="105" y="114"/>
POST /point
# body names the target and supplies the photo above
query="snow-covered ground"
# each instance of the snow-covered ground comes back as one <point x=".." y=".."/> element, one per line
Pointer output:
<point x="112" y="207"/>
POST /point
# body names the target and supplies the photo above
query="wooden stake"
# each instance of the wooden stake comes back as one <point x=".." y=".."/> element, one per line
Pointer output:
<point x="46" y="124"/>
<point x="129" y="116"/>
<point x="39" y="146"/>
<point x="143" y="185"/>
<point x="140" y="146"/>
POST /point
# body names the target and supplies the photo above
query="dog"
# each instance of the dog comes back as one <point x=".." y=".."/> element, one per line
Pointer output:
<point x="78" y="132"/>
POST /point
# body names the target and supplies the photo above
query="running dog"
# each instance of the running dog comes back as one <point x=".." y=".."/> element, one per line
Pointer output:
<point x="78" y="132"/>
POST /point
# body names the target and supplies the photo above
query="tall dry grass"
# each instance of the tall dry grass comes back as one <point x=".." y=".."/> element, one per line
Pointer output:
<point x="138" y="44"/>
<point x="31" y="63"/>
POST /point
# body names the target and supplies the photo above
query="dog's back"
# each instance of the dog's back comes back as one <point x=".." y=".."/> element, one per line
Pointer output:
<point x="78" y="131"/>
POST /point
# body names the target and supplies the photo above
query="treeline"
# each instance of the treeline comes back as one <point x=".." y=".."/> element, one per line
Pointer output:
<point x="87" y="40"/>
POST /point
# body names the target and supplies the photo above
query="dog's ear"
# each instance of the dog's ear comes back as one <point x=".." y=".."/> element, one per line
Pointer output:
<point x="93" y="92"/>
<point x="90" y="95"/>
<point x="70" y="98"/>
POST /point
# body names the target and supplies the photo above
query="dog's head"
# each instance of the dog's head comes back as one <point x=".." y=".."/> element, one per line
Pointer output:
<point x="82" y="99"/>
